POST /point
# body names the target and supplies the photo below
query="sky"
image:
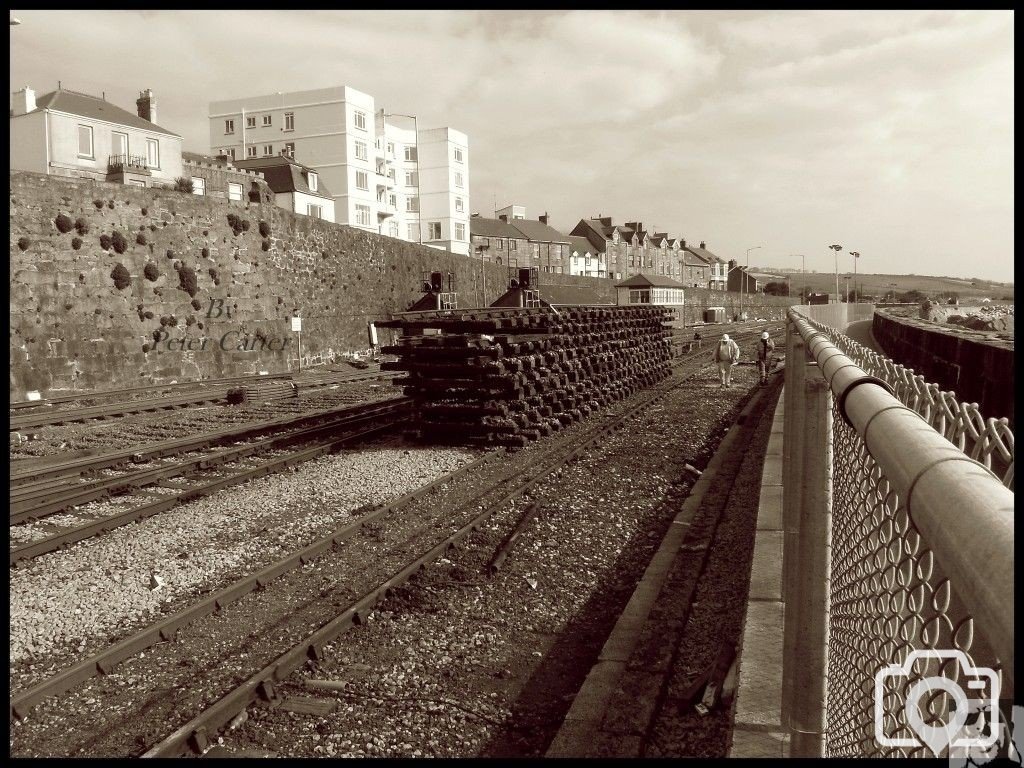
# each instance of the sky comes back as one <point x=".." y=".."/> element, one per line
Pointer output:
<point x="887" y="132"/>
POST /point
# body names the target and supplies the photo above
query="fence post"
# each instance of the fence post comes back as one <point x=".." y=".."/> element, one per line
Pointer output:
<point x="807" y="519"/>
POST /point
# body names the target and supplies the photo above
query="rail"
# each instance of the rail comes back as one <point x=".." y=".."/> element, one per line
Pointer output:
<point x="117" y="163"/>
<point x="898" y="551"/>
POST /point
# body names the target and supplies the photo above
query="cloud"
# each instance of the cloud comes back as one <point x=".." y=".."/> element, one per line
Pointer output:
<point x="790" y="129"/>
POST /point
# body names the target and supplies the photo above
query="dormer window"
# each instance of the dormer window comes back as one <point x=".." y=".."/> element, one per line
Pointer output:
<point x="312" y="180"/>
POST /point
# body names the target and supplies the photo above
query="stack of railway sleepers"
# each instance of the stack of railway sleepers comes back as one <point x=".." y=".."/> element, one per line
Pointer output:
<point x="505" y="377"/>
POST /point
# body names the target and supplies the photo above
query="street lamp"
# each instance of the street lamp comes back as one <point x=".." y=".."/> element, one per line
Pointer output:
<point x="743" y="277"/>
<point x="480" y="249"/>
<point x="419" y="198"/>
<point x="855" y="257"/>
<point x="837" y="248"/>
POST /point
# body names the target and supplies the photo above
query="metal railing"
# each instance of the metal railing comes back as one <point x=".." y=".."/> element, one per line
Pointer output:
<point x="898" y="560"/>
<point x="117" y="163"/>
<point x="989" y="441"/>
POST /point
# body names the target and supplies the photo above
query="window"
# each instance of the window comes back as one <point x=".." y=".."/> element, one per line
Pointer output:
<point x="250" y="151"/>
<point x="410" y="178"/>
<point x="268" y="150"/>
<point x="391" y="173"/>
<point x="119" y="141"/>
<point x="363" y="215"/>
<point x="85" y="141"/>
<point x="153" y="153"/>
<point x="513" y="245"/>
<point x="412" y="204"/>
<point x="458" y="179"/>
<point x="289" y="149"/>
<point x="391" y="147"/>
<point x="229" y="151"/>
<point x="458" y="204"/>
<point x="500" y="243"/>
<point x="198" y="185"/>
<point x="362" y="180"/>
<point x="289" y="121"/>
<point x="460" y="232"/>
<point x="250" y="122"/>
<point x="393" y="228"/>
<point x="410" y="153"/>
<point x="315" y="211"/>
<point x="412" y="231"/>
<point x="267" y="121"/>
<point x="229" y="126"/>
<point x="434" y="230"/>
<point x="234" y="191"/>
<point x="361" y="153"/>
<point x="458" y="154"/>
<point x="313" y="180"/>
<point x="392" y="200"/>
<point x="360" y="120"/>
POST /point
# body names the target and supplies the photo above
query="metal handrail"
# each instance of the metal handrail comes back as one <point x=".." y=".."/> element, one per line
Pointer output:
<point x="115" y="162"/>
<point x="961" y="509"/>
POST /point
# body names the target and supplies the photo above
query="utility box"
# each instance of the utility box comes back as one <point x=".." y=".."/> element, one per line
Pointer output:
<point x="714" y="315"/>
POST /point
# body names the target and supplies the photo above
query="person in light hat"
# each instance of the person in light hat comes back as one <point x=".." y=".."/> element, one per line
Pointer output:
<point x="765" y="348"/>
<point x="727" y="354"/>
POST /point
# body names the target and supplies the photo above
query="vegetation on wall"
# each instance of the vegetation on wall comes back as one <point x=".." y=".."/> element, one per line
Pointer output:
<point x="117" y="240"/>
<point x="63" y="223"/>
<point x="188" y="282"/>
<point x="151" y="271"/>
<point x="122" y="279"/>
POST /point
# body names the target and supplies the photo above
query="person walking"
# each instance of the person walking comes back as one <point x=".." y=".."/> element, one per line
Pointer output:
<point x="697" y="338"/>
<point x="727" y="354"/>
<point x="765" y="348"/>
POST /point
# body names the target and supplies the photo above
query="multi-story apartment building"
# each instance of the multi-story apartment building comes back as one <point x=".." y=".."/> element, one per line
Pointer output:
<point x="386" y="176"/>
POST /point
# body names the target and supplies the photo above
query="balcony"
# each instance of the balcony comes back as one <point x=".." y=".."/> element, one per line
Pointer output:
<point x="128" y="164"/>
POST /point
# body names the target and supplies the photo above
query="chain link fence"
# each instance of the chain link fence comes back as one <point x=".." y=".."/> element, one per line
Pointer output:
<point x="901" y="643"/>
<point x="989" y="441"/>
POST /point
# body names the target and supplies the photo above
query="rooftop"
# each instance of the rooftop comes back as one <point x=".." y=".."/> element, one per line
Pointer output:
<point x="84" y="105"/>
<point x="649" y="281"/>
<point x="283" y="175"/>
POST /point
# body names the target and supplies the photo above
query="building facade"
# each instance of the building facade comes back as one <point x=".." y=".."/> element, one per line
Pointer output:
<point x="630" y="249"/>
<point x="74" y="134"/>
<point x="297" y="188"/>
<point x="585" y="259"/>
<point x="217" y="177"/>
<point x="385" y="176"/>
<point x="512" y="239"/>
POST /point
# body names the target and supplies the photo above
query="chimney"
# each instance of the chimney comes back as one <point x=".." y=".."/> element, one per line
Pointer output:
<point x="146" y="105"/>
<point x="683" y="242"/>
<point x="504" y="217"/>
<point x="24" y="101"/>
<point x="701" y="243"/>
<point x="543" y="219"/>
<point x="605" y="220"/>
<point x="732" y="263"/>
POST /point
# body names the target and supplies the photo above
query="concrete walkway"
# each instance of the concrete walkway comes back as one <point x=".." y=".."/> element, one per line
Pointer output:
<point x="860" y="331"/>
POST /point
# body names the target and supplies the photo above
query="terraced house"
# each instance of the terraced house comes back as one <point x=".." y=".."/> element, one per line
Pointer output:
<point x="510" y="238"/>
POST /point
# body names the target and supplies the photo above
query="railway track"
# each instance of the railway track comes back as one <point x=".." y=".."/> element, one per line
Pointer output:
<point x="157" y="489"/>
<point x="218" y="394"/>
<point x="293" y="597"/>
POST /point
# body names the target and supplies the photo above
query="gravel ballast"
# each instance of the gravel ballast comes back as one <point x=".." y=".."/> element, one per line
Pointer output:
<point x="74" y="600"/>
<point x="460" y="664"/>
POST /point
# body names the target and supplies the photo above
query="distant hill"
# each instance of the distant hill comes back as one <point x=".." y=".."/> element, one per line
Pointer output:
<point x="878" y="285"/>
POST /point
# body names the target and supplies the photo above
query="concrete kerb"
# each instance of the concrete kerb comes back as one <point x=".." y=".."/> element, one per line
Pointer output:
<point x="757" y="725"/>
<point x="575" y="737"/>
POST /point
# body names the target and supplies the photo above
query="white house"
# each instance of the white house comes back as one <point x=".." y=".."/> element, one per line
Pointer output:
<point x="585" y="258"/>
<point x="641" y="289"/>
<point x="386" y="175"/>
<point x="74" y="134"/>
<point x="296" y="187"/>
